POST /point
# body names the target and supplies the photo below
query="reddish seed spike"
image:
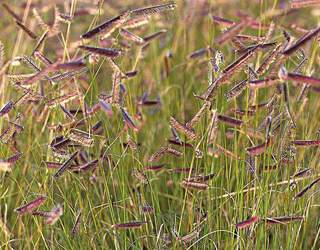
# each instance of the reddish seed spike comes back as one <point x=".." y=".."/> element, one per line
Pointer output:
<point x="297" y="4"/>
<point x="65" y="17"/>
<point x="147" y="209"/>
<point x="40" y="74"/>
<point x="194" y="185"/>
<point x="147" y="11"/>
<point x="304" y="190"/>
<point x="189" y="237"/>
<point x="283" y="219"/>
<point x="263" y="83"/>
<point x="155" y="35"/>
<point x="200" y="178"/>
<point x="6" y="108"/>
<point x="41" y="213"/>
<point x="7" y="134"/>
<point x="162" y="151"/>
<point x="228" y="72"/>
<point x="14" y="158"/>
<point x="298" y="78"/>
<point x="230" y="121"/>
<point x="28" y="208"/>
<point x="53" y="165"/>
<point x="198" y="53"/>
<point x="236" y="90"/>
<point x="247" y="223"/>
<point x="173" y="152"/>
<point x="65" y="165"/>
<point x="154" y="167"/>
<point x="182" y="128"/>
<point x="243" y="112"/>
<point x="128" y="120"/>
<point x="126" y="34"/>
<point x="67" y="75"/>
<point x="72" y="65"/>
<point x="81" y="137"/>
<point x="106" y="107"/>
<point x="300" y="42"/>
<point x="107" y="52"/>
<point x="244" y="37"/>
<point x="239" y="63"/>
<point x="52" y="103"/>
<point x="60" y="143"/>
<point x="136" y="22"/>
<point x="140" y="176"/>
<point x="131" y="74"/>
<point x="107" y="27"/>
<point x="116" y="81"/>
<point x="302" y="172"/>
<point x="259" y="149"/>
<point x="88" y="166"/>
<point x="261" y="46"/>
<point x="269" y="60"/>
<point x="213" y="127"/>
<point x="26" y="29"/>
<point x="76" y="226"/>
<point x="306" y="143"/>
<point x="223" y="21"/>
<point x="128" y="225"/>
<point x="42" y="58"/>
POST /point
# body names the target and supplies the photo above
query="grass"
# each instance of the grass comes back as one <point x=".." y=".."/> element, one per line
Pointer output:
<point x="107" y="196"/>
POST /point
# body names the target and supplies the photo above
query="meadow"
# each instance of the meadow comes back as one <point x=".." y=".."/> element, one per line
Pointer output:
<point x="149" y="124"/>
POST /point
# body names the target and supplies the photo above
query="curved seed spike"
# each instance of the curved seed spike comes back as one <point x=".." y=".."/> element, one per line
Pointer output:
<point x="147" y="11"/>
<point x="29" y="207"/>
<point x="108" y="26"/>
<point x="300" y="42"/>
